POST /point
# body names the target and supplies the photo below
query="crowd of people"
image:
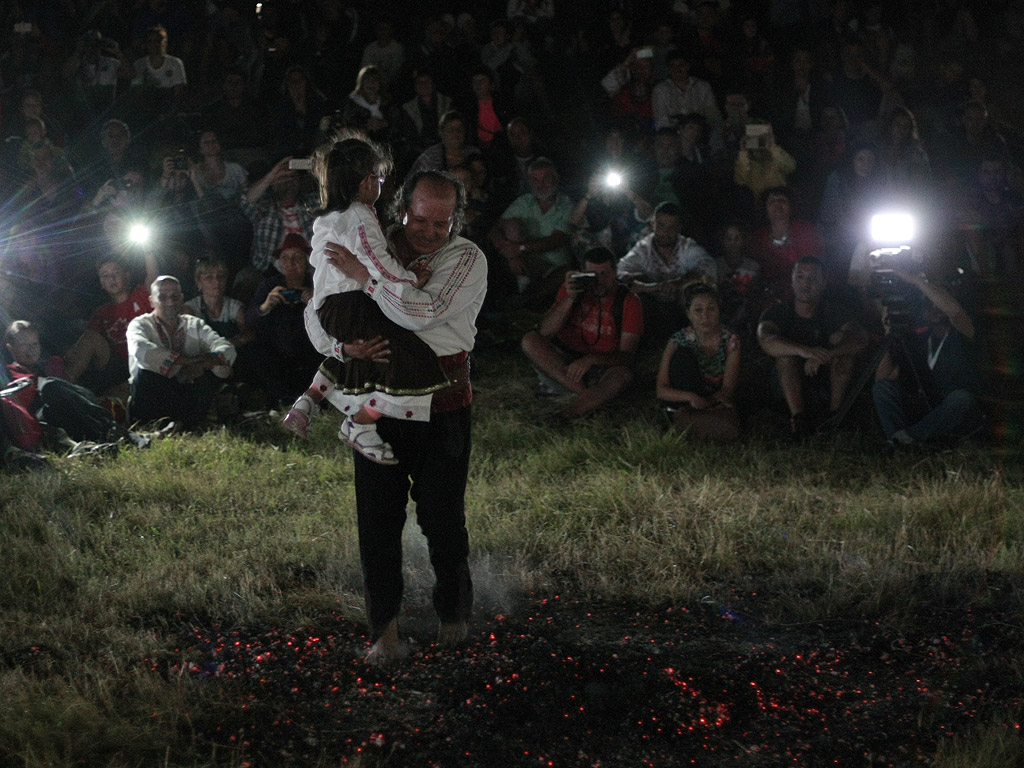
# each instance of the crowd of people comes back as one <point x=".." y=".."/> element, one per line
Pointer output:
<point x="708" y="167"/>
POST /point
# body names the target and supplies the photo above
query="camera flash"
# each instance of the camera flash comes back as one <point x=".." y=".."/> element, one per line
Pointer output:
<point x="896" y="228"/>
<point x="139" y="234"/>
<point x="613" y="179"/>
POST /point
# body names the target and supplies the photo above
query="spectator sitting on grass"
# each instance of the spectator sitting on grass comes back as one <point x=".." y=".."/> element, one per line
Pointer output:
<point x="660" y="266"/>
<point x="587" y="341"/>
<point x="943" y="356"/>
<point x="533" y="233"/>
<point x="814" y="341"/>
<point x="99" y="358"/>
<point x="56" y="402"/>
<point x="175" y="359"/>
<point x="700" y="369"/>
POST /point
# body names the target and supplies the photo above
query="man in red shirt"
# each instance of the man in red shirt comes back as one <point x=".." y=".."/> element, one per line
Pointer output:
<point x="98" y="360"/>
<point x="587" y="341"/>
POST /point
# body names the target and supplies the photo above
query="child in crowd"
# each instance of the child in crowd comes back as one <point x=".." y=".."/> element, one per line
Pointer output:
<point x="700" y="369"/>
<point x="46" y="396"/>
<point x="351" y="171"/>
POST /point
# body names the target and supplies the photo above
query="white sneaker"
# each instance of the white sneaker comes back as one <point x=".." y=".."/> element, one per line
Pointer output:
<point x="365" y="439"/>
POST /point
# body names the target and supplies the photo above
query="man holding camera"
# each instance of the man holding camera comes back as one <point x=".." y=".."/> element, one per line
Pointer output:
<point x="586" y="342"/>
<point x="661" y="265"/>
<point x="933" y="394"/>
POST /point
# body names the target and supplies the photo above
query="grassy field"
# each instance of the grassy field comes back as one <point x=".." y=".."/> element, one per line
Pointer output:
<point x="107" y="564"/>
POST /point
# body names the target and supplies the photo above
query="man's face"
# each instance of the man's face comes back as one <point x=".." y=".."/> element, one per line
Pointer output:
<point x="543" y="183"/>
<point x="808" y="283"/>
<point x="167" y="300"/>
<point x="481" y="86"/>
<point x="736" y="108"/>
<point x="691" y="132"/>
<point x="732" y="240"/>
<point x="453" y="135"/>
<point x="115" y="138"/>
<point x="667" y="151"/>
<point x="864" y="162"/>
<point x="424" y="87"/>
<point x="293" y="263"/>
<point x="777" y="207"/>
<point x="25" y="348"/>
<point x="679" y="71"/>
<point x="429" y="217"/>
<point x="32" y="106"/>
<point x="519" y="136"/>
<point x="667" y="229"/>
<point x="286" y="186"/>
<point x="234" y="86"/>
<point x="607" y="280"/>
<point x="113" y="279"/>
<point x="992" y="175"/>
<point x="802" y="63"/>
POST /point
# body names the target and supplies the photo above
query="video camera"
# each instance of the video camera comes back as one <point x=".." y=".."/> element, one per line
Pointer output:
<point x="894" y="232"/>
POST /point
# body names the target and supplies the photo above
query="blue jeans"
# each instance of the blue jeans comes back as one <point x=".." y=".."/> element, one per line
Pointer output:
<point x="958" y="415"/>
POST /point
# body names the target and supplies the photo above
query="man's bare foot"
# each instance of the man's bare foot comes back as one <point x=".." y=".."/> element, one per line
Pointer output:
<point x="452" y="634"/>
<point x="387" y="647"/>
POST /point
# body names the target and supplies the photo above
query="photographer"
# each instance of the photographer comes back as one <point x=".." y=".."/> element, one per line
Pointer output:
<point x="942" y="357"/>
<point x="661" y="265"/>
<point x="96" y="70"/>
<point x="288" y="358"/>
<point x="587" y="340"/>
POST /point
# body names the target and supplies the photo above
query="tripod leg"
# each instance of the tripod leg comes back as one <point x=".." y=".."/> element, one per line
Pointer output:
<point x="861" y="381"/>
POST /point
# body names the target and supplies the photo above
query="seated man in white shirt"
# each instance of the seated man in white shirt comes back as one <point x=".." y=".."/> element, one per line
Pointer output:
<point x="174" y="359"/>
<point x="660" y="266"/>
<point x="680" y="94"/>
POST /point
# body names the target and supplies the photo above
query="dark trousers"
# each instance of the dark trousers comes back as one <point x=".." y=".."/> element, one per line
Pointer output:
<point x="433" y="463"/>
<point x="154" y="397"/>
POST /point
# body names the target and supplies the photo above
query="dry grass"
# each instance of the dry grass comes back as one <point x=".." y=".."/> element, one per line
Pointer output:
<point x="104" y="561"/>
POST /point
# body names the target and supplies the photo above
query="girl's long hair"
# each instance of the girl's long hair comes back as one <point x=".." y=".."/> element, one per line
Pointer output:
<point x="341" y="164"/>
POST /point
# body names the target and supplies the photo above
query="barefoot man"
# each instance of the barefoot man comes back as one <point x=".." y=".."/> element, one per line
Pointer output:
<point x="433" y="456"/>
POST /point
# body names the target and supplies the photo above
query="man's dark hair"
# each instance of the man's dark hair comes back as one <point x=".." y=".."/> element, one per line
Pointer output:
<point x="667" y="130"/>
<point x="483" y="69"/>
<point x="678" y="54"/>
<point x="811" y="260"/>
<point x="599" y="255"/>
<point x="403" y="197"/>
<point x="668" y="208"/>
<point x="541" y="164"/>
<point x="449" y="117"/>
<point x="784" y="191"/>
